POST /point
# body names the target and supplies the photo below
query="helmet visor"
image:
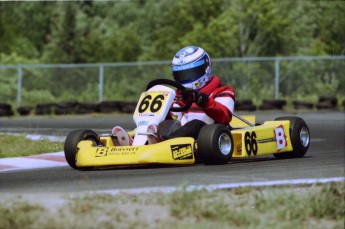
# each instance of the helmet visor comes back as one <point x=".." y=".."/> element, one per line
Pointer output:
<point x="185" y="75"/>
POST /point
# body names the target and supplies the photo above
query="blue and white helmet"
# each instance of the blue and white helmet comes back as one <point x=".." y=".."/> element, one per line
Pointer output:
<point x="191" y="67"/>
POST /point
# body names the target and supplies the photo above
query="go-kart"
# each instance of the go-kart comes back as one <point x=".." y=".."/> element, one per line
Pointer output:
<point x="285" y="137"/>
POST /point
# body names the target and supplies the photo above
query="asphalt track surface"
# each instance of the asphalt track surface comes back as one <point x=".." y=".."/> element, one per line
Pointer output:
<point x="325" y="159"/>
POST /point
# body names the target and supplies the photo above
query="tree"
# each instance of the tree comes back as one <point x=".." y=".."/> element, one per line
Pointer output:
<point x="119" y="31"/>
<point x="169" y="21"/>
<point x="313" y="27"/>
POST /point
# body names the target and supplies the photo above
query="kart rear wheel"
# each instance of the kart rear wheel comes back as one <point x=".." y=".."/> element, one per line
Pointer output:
<point x="215" y="144"/>
<point x="71" y="144"/>
<point x="300" y="138"/>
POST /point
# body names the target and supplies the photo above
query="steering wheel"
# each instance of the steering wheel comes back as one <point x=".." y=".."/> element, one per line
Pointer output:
<point x="173" y="84"/>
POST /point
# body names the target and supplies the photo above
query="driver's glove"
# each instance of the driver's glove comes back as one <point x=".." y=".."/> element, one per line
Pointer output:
<point x="195" y="96"/>
<point x="201" y="99"/>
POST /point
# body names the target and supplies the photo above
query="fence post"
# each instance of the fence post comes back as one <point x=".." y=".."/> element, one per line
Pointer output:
<point x="19" y="85"/>
<point x="101" y="81"/>
<point x="276" y="79"/>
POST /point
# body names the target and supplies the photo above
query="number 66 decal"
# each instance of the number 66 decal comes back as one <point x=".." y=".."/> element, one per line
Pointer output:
<point x="153" y="104"/>
<point x="251" y="143"/>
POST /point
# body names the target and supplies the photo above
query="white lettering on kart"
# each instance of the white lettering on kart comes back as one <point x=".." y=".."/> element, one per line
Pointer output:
<point x="280" y="137"/>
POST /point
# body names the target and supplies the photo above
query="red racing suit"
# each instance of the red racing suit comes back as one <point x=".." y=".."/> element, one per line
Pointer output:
<point x="218" y="109"/>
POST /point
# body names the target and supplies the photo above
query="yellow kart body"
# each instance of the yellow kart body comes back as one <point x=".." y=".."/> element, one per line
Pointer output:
<point x="260" y="140"/>
<point x="175" y="151"/>
<point x="181" y="150"/>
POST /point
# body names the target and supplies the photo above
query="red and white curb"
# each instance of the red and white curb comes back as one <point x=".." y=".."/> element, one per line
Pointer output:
<point x="33" y="162"/>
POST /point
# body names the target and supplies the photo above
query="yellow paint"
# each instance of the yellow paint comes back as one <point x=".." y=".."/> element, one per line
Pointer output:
<point x="174" y="151"/>
<point x="264" y="140"/>
<point x="237" y="123"/>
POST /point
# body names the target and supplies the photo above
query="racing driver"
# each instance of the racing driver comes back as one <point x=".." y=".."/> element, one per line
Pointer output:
<point x="212" y="102"/>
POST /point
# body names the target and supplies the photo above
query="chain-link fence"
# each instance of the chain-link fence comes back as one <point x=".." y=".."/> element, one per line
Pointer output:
<point x="252" y="78"/>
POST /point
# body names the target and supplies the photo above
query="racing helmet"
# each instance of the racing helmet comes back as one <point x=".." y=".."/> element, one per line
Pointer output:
<point x="191" y="67"/>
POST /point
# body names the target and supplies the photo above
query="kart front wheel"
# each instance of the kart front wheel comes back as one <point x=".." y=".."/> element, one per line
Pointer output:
<point x="215" y="144"/>
<point x="71" y="144"/>
<point x="300" y="138"/>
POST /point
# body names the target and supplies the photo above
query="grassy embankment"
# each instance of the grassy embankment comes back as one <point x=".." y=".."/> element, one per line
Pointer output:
<point x="316" y="206"/>
<point x="19" y="145"/>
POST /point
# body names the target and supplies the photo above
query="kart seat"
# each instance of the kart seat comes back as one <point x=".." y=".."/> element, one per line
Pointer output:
<point x="167" y="127"/>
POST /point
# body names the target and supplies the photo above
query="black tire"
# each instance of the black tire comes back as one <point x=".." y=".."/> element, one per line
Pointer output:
<point x="300" y="138"/>
<point x="5" y="109"/>
<point x="71" y="103"/>
<point x="302" y="105"/>
<point x="325" y="105"/>
<point x="71" y="144"/>
<point x="129" y="107"/>
<point x="45" y="108"/>
<point x="5" y="112"/>
<point x="272" y="104"/>
<point x="333" y="100"/>
<point x="5" y="106"/>
<point x="278" y="103"/>
<point x="266" y="107"/>
<point x="24" y="110"/>
<point x="87" y="108"/>
<point x="245" y="107"/>
<point x="241" y="102"/>
<point x="110" y="106"/>
<point x="215" y="144"/>
<point x="66" y="107"/>
<point x="63" y="110"/>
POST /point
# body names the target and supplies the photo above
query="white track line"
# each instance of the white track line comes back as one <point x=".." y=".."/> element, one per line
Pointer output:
<point x="223" y="186"/>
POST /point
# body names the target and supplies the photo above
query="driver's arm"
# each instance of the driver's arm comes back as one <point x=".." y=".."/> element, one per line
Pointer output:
<point x="220" y="106"/>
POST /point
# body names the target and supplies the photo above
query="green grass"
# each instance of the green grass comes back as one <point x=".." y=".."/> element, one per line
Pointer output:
<point x="15" y="146"/>
<point x="315" y="206"/>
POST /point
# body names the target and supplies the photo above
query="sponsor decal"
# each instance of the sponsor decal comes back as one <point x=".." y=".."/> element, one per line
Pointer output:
<point x="188" y="66"/>
<point x="280" y="137"/>
<point x="182" y="152"/>
<point x="101" y="152"/>
<point x="145" y="115"/>
<point x="143" y="123"/>
<point x="116" y="151"/>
